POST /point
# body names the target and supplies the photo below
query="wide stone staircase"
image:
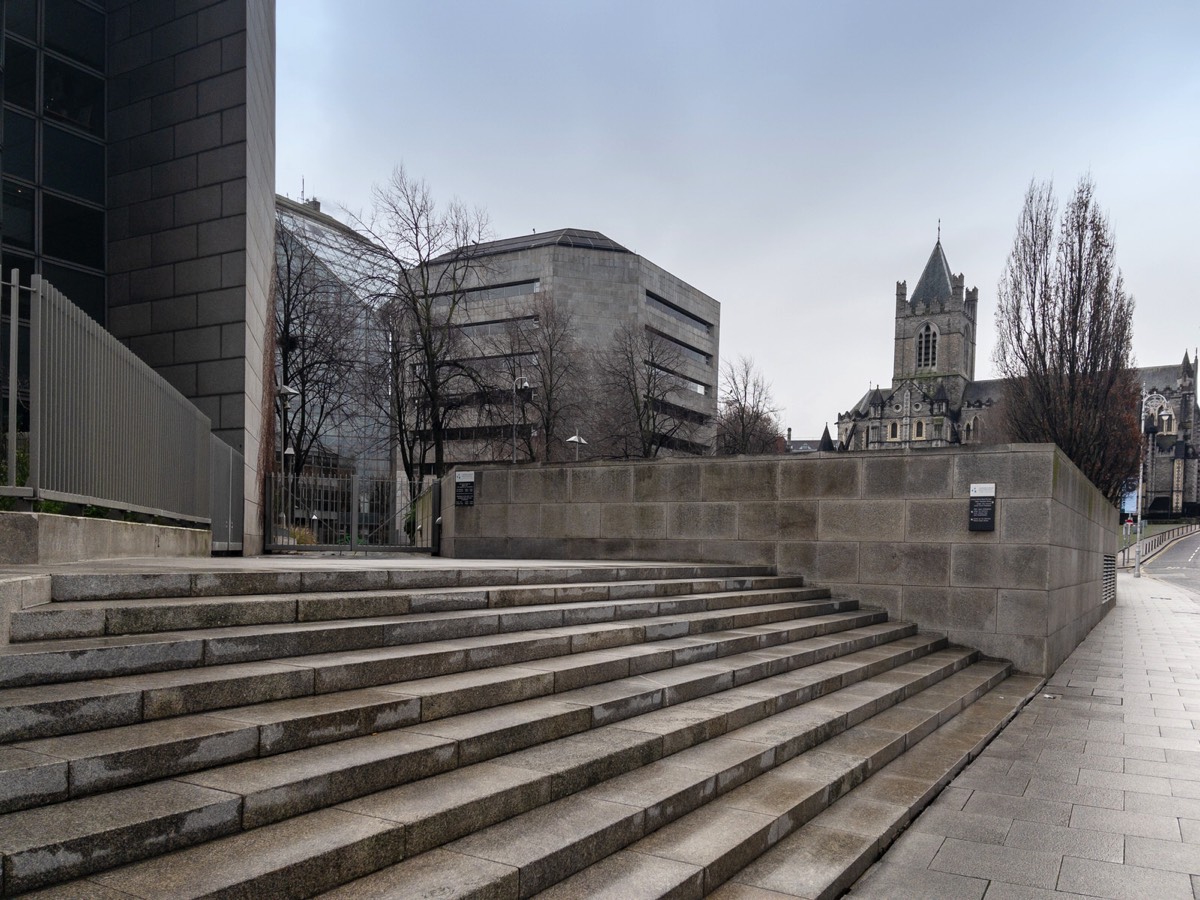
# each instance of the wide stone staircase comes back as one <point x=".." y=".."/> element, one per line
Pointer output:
<point x="626" y="731"/>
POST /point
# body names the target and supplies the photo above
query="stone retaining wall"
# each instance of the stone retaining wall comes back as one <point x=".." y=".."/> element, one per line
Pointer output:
<point x="44" y="539"/>
<point x="889" y="528"/>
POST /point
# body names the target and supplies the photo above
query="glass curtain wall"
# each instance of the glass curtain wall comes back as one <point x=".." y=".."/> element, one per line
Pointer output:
<point x="52" y="220"/>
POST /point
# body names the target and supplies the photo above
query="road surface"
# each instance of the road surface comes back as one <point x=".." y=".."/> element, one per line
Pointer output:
<point x="1179" y="565"/>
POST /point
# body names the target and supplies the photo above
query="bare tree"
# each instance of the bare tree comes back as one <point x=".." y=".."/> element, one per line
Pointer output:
<point x="542" y="348"/>
<point x="420" y="275"/>
<point x="1064" y="337"/>
<point x="747" y="419"/>
<point x="637" y="394"/>
<point x="316" y="323"/>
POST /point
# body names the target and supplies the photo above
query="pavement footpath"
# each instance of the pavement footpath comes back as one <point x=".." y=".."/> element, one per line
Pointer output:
<point x="1093" y="790"/>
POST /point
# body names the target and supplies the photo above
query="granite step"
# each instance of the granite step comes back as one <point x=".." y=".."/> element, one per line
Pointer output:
<point x="74" y="659"/>
<point x="127" y="585"/>
<point x="58" y="768"/>
<point x="826" y="855"/>
<point x="533" y="851"/>
<point x="752" y="833"/>
<point x="475" y="797"/>
<point x="55" y="709"/>
<point x="97" y="618"/>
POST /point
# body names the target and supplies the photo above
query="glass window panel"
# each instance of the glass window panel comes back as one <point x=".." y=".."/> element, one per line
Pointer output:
<point x="18" y="153"/>
<point x="20" y="75"/>
<point x="74" y="96"/>
<point x="21" y="17"/>
<point x="82" y="288"/>
<point x="72" y="232"/>
<point x="18" y="215"/>
<point x="72" y="164"/>
<point x="75" y="31"/>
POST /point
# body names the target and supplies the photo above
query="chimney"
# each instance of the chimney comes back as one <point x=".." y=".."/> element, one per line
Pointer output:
<point x="313" y="203"/>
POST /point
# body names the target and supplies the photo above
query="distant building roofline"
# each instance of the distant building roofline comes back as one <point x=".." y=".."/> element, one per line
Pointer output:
<point x="562" y="237"/>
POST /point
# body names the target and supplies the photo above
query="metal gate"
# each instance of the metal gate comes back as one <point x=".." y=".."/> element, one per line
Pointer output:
<point x="324" y="512"/>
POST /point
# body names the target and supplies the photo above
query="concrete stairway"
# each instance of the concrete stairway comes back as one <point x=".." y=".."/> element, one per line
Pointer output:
<point x="628" y="731"/>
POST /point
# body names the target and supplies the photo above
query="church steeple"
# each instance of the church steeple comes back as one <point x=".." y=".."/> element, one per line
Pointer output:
<point x="935" y="327"/>
<point x="935" y="286"/>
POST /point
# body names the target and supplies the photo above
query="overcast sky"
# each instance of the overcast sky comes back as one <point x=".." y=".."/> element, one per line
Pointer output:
<point x="791" y="159"/>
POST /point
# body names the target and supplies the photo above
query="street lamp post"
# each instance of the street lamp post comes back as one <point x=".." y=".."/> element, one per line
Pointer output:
<point x="1152" y="404"/>
<point x="576" y="440"/>
<point x="519" y="383"/>
<point x="286" y="393"/>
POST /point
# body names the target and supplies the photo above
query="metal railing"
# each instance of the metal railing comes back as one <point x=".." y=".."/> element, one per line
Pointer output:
<point x="228" y="510"/>
<point x="99" y="427"/>
<point x="339" y="511"/>
<point x="1151" y="545"/>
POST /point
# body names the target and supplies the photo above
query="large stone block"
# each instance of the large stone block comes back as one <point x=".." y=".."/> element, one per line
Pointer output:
<point x="1028" y="521"/>
<point x="1017" y="470"/>
<point x="792" y="521"/>
<point x="639" y="521"/>
<point x="537" y="485"/>
<point x="945" y="609"/>
<point x="666" y="481"/>
<point x="1023" y="612"/>
<point x="904" y="564"/>
<point x="819" y="478"/>
<point x="819" y="561"/>
<point x="913" y="476"/>
<point x="708" y="521"/>
<point x="601" y="484"/>
<point x="728" y="480"/>
<point x="1020" y="566"/>
<point x="942" y="520"/>
<point x="861" y="520"/>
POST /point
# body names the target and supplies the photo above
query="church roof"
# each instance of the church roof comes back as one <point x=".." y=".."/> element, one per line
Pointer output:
<point x="1160" y="378"/>
<point x="934" y="284"/>
<point x="826" y="441"/>
<point x="980" y="392"/>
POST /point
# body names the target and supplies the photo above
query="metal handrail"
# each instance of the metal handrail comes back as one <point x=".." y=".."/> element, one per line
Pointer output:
<point x="1152" y="544"/>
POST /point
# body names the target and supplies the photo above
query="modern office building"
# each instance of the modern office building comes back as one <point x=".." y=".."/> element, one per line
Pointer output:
<point x="603" y="287"/>
<point x="138" y="177"/>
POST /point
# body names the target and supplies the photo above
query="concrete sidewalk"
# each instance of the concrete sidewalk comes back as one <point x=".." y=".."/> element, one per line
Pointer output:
<point x="1093" y="790"/>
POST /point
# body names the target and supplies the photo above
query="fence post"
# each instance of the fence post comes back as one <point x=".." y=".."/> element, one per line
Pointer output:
<point x="354" y="511"/>
<point x="14" y="345"/>
<point x="35" y="383"/>
<point x="435" y="523"/>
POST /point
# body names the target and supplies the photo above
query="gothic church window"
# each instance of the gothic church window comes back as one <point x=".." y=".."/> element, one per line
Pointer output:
<point x="894" y="432"/>
<point x="920" y="430"/>
<point x="927" y="348"/>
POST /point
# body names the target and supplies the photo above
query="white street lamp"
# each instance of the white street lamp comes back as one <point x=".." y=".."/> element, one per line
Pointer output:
<point x="576" y="440"/>
<point x="519" y="384"/>
<point x="1152" y="405"/>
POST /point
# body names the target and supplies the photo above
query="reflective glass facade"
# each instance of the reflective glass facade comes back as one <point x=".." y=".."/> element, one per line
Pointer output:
<point x="53" y="160"/>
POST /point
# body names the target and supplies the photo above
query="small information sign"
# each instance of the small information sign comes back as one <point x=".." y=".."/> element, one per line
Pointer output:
<point x="464" y="488"/>
<point x="982" y="513"/>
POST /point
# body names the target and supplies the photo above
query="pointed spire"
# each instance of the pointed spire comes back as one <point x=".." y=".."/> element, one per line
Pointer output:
<point x="826" y="441"/>
<point x="934" y="285"/>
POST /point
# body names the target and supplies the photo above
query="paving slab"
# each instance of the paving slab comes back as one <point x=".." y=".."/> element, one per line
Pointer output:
<point x="1089" y="791"/>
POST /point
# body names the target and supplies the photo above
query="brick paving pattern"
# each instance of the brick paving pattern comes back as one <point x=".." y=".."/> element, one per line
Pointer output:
<point x="1093" y="790"/>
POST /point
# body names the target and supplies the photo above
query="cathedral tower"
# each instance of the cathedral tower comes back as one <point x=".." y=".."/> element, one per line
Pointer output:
<point x="935" y="330"/>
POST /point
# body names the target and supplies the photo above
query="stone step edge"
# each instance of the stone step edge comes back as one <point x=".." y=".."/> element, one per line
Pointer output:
<point x="27" y="665"/>
<point x="527" y="882"/>
<point x="129" y="696"/>
<point x="70" y="586"/>
<point x="866" y="843"/>
<point x="83" y="622"/>
<point x="200" y="855"/>
<point x="706" y="876"/>
<point x="786" y="662"/>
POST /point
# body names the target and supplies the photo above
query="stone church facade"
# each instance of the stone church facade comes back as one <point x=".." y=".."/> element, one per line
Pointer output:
<point x="935" y="401"/>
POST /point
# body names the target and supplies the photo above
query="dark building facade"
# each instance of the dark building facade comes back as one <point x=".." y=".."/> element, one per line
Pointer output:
<point x="138" y="177"/>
